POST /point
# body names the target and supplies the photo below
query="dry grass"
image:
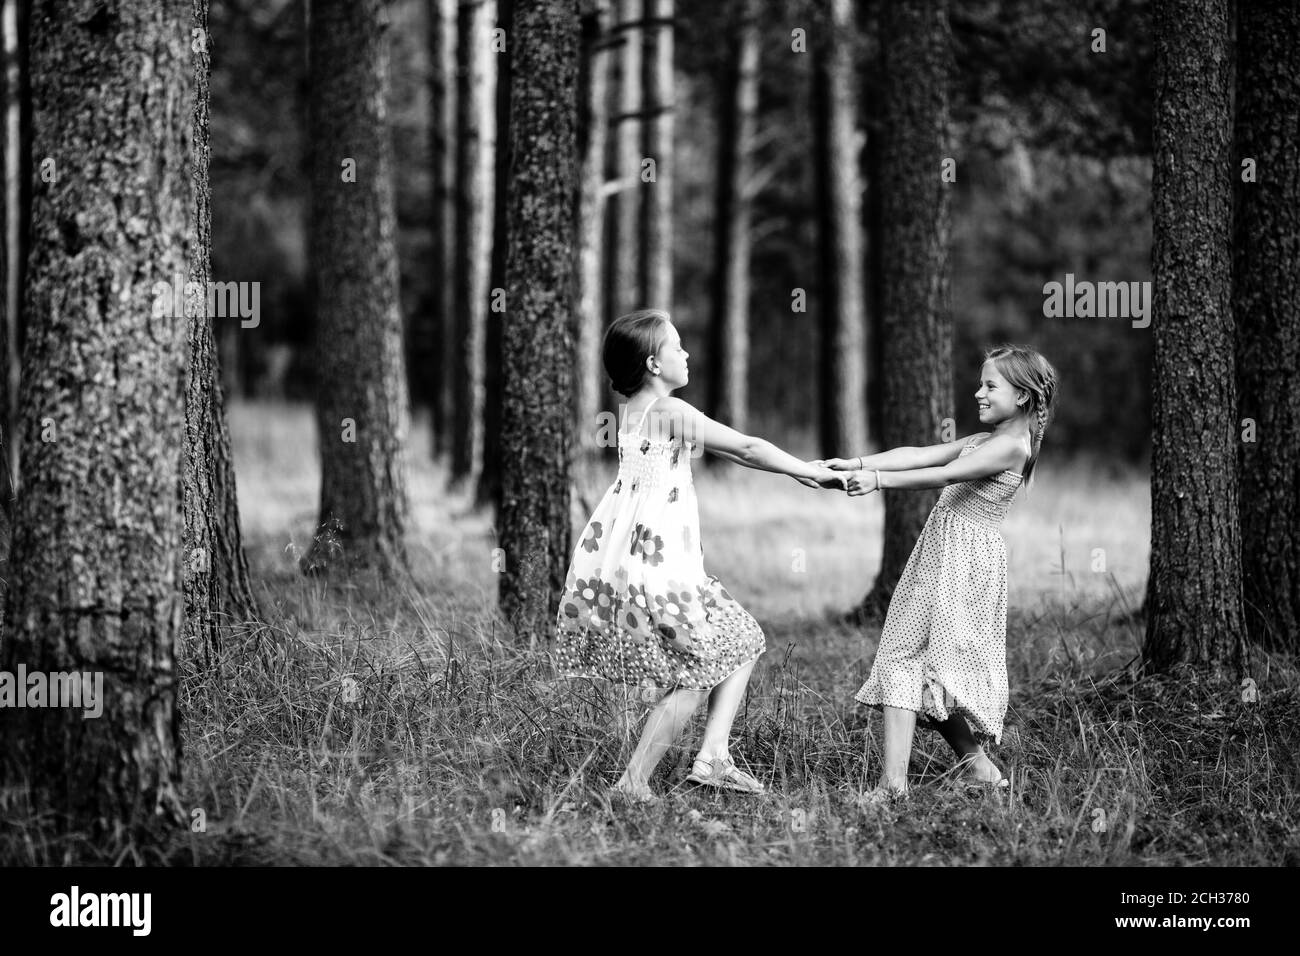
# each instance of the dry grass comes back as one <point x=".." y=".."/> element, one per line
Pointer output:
<point x="360" y="725"/>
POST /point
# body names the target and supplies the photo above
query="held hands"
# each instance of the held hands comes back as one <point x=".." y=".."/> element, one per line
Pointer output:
<point x="861" y="483"/>
<point x="838" y="464"/>
<point x="826" y="479"/>
<point x="856" y="483"/>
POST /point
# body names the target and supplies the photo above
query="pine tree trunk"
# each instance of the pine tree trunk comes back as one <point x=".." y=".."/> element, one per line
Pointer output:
<point x="475" y="142"/>
<point x="1194" y="597"/>
<point x="7" y="410"/>
<point x="656" y="279"/>
<point x="593" y="86"/>
<point x="537" y="410"/>
<point x="97" y="543"/>
<point x="19" y="96"/>
<point x="216" y="580"/>
<point x="843" y="379"/>
<point x="915" y="321"/>
<point x="1266" y="306"/>
<point x="442" y="157"/>
<point x="627" y="251"/>
<point x="729" y="345"/>
<point x="488" y="491"/>
<point x="873" y="121"/>
<point x="361" y="402"/>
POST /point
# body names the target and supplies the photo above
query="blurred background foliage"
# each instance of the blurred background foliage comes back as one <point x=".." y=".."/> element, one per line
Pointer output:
<point x="1052" y="143"/>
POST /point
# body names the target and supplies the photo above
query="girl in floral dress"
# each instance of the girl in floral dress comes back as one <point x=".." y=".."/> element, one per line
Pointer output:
<point x="638" y="606"/>
<point x="942" y="652"/>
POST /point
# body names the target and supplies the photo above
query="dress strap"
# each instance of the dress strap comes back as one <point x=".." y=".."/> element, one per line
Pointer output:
<point x="637" y="430"/>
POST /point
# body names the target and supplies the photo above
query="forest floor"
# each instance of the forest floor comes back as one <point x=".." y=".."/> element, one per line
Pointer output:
<point x="363" y="724"/>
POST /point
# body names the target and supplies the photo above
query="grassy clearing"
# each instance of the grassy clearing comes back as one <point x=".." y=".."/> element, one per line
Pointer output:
<point x="360" y="725"/>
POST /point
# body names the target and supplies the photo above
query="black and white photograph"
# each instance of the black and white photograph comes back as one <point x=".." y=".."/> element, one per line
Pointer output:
<point x="494" y="434"/>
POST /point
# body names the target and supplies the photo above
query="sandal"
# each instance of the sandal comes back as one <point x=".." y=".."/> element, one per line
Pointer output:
<point x="723" y="774"/>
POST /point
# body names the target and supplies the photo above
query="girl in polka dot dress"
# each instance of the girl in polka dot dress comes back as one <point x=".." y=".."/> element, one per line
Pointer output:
<point x="942" y="652"/>
<point x="638" y="607"/>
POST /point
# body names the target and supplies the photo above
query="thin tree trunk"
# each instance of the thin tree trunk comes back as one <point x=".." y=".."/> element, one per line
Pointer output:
<point x="488" y="491"/>
<point x="361" y="402"/>
<point x="97" y="543"/>
<point x="537" y="410"/>
<point x="593" y="123"/>
<point x="7" y="370"/>
<point x="656" y="277"/>
<point x="627" y="250"/>
<point x="843" y="379"/>
<point x="475" y="141"/>
<point x="1266" y="304"/>
<point x="873" y="227"/>
<point x="216" y="581"/>
<point x="18" y="229"/>
<point x="875" y="281"/>
<point x="729" y="352"/>
<point x="916" y="325"/>
<point x="1194" y="596"/>
<point x="442" y="135"/>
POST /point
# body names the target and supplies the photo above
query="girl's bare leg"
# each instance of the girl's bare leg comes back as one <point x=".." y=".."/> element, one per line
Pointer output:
<point x="724" y="701"/>
<point x="957" y="732"/>
<point x="899" y="727"/>
<point x="664" y="725"/>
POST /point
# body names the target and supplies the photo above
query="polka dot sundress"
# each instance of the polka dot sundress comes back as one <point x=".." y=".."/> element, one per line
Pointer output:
<point x="943" y="649"/>
<point x="638" y="607"/>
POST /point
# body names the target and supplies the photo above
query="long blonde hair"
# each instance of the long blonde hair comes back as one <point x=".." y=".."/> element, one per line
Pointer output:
<point x="1026" y="369"/>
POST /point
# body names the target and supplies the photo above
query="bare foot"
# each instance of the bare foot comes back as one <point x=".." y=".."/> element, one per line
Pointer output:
<point x="882" y="795"/>
<point x="980" y="769"/>
<point x="635" y="791"/>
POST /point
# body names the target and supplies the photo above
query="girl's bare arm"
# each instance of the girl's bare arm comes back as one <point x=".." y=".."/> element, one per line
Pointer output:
<point x="998" y="454"/>
<point x="905" y="457"/>
<point x="684" y="420"/>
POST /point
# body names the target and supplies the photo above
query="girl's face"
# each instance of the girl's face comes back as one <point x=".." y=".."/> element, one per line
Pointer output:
<point x="997" y="397"/>
<point x="670" y="360"/>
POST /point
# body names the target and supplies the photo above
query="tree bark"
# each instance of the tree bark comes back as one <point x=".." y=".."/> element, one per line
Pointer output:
<point x="488" y="491"/>
<point x="442" y="136"/>
<point x="656" y="259"/>
<point x="729" y="346"/>
<point x="97" y="544"/>
<point x="843" y="379"/>
<point x="475" y="141"/>
<point x="915" y="222"/>
<point x="361" y="402"/>
<point x="216" y="580"/>
<point x="1266" y="305"/>
<point x="20" y="223"/>
<point x="537" y="408"/>
<point x="628" y="251"/>
<point x="7" y="370"/>
<point x="1194" y="597"/>
<point x="593" y="120"/>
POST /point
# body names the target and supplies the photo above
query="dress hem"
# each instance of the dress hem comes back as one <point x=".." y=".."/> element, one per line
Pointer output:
<point x="977" y="724"/>
<point x="595" y="675"/>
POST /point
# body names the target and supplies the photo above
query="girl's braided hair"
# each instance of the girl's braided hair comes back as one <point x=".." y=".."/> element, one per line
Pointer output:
<point x="1027" y="370"/>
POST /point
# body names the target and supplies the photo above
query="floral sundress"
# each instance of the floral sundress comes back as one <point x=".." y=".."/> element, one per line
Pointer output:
<point x="638" y="607"/>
